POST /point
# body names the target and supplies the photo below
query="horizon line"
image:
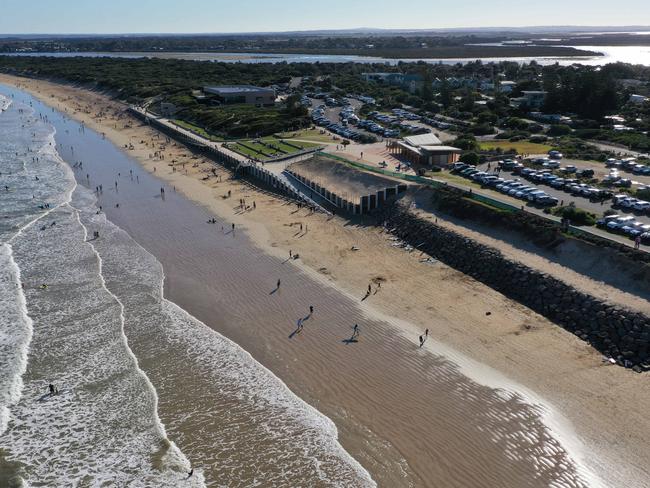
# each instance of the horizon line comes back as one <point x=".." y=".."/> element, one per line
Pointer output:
<point x="334" y="30"/>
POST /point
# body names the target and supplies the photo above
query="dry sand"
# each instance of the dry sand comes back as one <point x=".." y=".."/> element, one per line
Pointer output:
<point x="605" y="404"/>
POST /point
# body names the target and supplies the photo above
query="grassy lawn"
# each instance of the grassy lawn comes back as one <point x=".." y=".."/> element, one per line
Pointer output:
<point x="246" y="151"/>
<point x="307" y="134"/>
<point x="198" y="130"/>
<point x="522" y="147"/>
<point x="259" y="150"/>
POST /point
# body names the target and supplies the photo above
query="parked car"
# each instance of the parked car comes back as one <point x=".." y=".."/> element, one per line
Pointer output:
<point x="641" y="206"/>
<point x="606" y="220"/>
<point x="547" y="200"/>
<point x="619" y="222"/>
<point x="585" y="173"/>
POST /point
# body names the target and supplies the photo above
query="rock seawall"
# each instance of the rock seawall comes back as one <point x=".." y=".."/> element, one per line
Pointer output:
<point x="616" y="331"/>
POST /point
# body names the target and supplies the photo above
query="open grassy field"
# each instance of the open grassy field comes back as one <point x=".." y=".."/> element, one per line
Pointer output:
<point x="307" y="135"/>
<point x="522" y="147"/>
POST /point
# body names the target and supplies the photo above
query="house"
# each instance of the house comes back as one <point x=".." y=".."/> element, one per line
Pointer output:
<point x="425" y="149"/>
<point x="411" y="83"/>
<point x="247" y="94"/>
<point x="506" y="86"/>
<point x="638" y="99"/>
<point x="532" y="99"/>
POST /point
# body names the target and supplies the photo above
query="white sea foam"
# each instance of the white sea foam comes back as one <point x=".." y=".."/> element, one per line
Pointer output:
<point x="174" y="458"/>
<point x="294" y="433"/>
<point x="4" y="103"/>
<point x="15" y="334"/>
<point x="89" y="433"/>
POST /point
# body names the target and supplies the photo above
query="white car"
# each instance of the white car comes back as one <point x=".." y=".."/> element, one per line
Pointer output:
<point x="641" y="206"/>
<point x="628" y="202"/>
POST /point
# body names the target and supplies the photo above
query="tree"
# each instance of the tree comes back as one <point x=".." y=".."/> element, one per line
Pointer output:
<point x="445" y="94"/>
<point x="559" y="130"/>
<point x="427" y="84"/>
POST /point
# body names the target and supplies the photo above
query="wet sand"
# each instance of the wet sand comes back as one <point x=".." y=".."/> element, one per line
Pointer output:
<point x="389" y="393"/>
<point x="466" y="434"/>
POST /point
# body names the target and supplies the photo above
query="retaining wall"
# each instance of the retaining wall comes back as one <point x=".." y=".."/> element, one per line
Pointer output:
<point x="247" y="170"/>
<point x="617" y="332"/>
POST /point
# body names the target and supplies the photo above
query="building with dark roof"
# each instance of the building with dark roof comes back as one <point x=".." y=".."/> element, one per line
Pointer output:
<point x="247" y="94"/>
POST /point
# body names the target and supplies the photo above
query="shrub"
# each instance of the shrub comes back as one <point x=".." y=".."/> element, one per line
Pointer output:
<point x="470" y="158"/>
<point x="576" y="216"/>
<point x="643" y="194"/>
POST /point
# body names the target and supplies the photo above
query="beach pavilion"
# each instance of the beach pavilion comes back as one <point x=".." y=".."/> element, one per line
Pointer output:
<point x="425" y="149"/>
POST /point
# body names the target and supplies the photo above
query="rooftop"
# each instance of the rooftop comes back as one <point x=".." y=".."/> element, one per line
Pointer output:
<point x="344" y="180"/>
<point x="423" y="140"/>
<point x="230" y="89"/>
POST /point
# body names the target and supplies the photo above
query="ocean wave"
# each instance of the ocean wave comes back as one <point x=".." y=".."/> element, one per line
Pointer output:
<point x="223" y="399"/>
<point x="15" y="334"/>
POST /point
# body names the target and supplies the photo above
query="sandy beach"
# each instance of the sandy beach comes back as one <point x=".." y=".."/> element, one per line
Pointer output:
<point x="603" y="404"/>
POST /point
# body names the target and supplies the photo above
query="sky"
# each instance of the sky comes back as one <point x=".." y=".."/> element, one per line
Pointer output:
<point x="216" y="16"/>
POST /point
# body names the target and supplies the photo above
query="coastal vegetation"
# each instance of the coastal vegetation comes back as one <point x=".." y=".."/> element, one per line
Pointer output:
<point x="519" y="147"/>
<point x="580" y="98"/>
<point x="390" y="46"/>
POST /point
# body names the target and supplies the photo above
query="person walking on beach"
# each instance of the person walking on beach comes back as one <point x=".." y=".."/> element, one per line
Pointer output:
<point x="278" y="284"/>
<point x="421" y="341"/>
<point x="311" y="309"/>
<point x="355" y="332"/>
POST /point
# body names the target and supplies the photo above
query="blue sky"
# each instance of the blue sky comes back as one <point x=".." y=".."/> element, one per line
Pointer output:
<point x="179" y="16"/>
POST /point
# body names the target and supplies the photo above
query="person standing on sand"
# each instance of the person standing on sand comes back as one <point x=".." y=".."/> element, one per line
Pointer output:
<point x="355" y="332"/>
<point x="421" y="341"/>
<point x="278" y="284"/>
<point x="311" y="309"/>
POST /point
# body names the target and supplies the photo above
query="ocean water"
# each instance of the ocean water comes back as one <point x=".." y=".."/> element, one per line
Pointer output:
<point x="89" y="317"/>
<point x="610" y="54"/>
